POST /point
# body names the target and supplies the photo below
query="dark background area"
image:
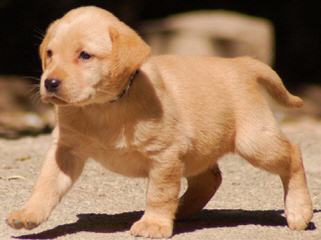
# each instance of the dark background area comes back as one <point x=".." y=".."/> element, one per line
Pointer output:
<point x="297" y="27"/>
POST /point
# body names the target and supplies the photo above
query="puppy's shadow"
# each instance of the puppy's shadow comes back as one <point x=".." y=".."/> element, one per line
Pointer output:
<point x="104" y="223"/>
<point x="233" y="218"/>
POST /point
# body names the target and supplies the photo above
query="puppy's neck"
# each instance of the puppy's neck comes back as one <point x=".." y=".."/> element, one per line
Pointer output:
<point x="126" y="89"/>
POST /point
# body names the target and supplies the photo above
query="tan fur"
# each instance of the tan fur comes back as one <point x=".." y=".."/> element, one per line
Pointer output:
<point x="180" y="115"/>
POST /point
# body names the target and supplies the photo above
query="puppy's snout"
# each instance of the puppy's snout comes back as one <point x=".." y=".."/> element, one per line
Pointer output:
<point x="52" y="84"/>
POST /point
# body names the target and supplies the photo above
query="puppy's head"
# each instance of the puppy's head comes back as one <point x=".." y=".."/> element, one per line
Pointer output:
<point x="88" y="56"/>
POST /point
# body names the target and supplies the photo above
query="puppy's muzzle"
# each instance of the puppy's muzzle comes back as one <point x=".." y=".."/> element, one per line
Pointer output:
<point x="52" y="84"/>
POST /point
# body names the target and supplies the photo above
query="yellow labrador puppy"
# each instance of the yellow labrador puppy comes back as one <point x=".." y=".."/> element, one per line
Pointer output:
<point x="161" y="117"/>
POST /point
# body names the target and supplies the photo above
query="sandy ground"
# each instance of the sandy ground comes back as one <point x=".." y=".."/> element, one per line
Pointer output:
<point x="103" y="205"/>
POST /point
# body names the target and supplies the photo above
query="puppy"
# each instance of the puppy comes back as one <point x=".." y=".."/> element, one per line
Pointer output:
<point x="161" y="117"/>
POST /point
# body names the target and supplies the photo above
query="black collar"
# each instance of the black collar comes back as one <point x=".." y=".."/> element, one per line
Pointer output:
<point x="126" y="89"/>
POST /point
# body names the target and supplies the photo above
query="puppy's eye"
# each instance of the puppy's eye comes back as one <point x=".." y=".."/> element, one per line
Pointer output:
<point x="49" y="53"/>
<point x="84" y="55"/>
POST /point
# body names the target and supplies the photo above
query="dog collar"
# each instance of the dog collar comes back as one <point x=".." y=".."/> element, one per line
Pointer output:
<point x="125" y="90"/>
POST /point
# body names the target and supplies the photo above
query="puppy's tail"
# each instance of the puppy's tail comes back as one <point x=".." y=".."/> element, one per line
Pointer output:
<point x="271" y="81"/>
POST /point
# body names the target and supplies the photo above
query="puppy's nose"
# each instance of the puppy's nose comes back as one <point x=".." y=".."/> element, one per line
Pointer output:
<point x="52" y="84"/>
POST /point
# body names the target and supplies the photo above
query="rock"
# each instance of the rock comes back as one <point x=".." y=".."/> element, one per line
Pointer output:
<point x="216" y="33"/>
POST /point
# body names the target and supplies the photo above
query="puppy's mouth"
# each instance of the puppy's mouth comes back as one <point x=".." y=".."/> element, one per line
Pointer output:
<point x="57" y="100"/>
<point x="53" y="98"/>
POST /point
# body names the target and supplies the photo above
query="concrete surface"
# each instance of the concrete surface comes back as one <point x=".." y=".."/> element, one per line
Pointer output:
<point x="103" y="205"/>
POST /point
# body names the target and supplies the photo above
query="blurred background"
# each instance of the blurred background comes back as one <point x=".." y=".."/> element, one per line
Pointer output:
<point x="284" y="34"/>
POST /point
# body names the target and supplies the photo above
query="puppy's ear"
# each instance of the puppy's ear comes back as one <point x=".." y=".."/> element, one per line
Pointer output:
<point x="44" y="43"/>
<point x="129" y="51"/>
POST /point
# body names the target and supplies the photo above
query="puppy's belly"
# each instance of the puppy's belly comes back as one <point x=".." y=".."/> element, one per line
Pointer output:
<point x="131" y="164"/>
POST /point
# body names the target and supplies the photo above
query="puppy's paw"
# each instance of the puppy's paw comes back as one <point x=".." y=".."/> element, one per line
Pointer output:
<point x="298" y="214"/>
<point x="24" y="218"/>
<point x="299" y="219"/>
<point x="152" y="229"/>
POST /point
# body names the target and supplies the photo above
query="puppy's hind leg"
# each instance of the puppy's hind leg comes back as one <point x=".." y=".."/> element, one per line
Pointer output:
<point x="298" y="205"/>
<point x="200" y="190"/>
<point x="264" y="146"/>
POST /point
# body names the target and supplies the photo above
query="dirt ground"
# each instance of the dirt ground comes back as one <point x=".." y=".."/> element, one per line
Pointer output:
<point x="103" y="205"/>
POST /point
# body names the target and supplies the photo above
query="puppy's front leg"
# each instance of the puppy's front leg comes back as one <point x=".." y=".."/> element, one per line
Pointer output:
<point x="60" y="170"/>
<point x="162" y="200"/>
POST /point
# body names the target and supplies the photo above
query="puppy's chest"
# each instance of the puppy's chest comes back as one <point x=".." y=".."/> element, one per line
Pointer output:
<point x="126" y="151"/>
